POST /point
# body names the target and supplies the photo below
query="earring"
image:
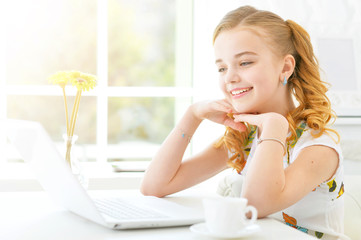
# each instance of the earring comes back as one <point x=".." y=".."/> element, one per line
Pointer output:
<point x="284" y="81"/>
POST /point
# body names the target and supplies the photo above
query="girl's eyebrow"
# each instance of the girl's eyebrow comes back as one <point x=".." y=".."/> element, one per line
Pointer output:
<point x="244" y="53"/>
<point x="239" y="55"/>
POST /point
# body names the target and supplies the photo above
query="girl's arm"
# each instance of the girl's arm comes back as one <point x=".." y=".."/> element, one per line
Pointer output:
<point x="267" y="185"/>
<point x="167" y="173"/>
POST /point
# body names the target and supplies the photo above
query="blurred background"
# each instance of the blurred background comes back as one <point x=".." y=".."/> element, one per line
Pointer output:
<point x="152" y="58"/>
<point x="129" y="45"/>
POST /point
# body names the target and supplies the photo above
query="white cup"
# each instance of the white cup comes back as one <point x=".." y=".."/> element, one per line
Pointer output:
<point x="227" y="215"/>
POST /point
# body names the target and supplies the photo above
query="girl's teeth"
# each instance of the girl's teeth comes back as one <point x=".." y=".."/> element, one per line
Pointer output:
<point x="239" y="91"/>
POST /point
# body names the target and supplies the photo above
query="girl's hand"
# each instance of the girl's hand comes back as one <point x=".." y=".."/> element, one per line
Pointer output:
<point x="216" y="111"/>
<point x="272" y="123"/>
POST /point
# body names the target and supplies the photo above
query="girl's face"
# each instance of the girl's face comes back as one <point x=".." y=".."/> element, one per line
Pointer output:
<point x="250" y="75"/>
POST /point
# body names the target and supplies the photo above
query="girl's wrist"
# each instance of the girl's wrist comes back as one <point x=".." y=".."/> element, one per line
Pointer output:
<point x="190" y="122"/>
<point x="275" y="127"/>
<point x="192" y="109"/>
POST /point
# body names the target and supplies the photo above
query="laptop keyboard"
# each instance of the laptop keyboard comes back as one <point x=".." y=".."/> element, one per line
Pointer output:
<point x="122" y="209"/>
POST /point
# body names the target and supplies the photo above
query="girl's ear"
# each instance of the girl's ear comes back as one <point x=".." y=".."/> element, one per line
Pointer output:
<point x="288" y="67"/>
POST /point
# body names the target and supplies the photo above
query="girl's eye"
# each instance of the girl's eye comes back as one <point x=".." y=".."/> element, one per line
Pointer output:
<point x="221" y="69"/>
<point x="243" y="64"/>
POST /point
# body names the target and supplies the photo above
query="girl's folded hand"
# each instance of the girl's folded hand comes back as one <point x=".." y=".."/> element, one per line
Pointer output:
<point x="217" y="111"/>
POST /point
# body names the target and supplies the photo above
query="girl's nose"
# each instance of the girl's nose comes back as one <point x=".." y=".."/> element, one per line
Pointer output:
<point x="232" y="77"/>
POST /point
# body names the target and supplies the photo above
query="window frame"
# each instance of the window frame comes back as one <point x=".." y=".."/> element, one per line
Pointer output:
<point x="183" y="72"/>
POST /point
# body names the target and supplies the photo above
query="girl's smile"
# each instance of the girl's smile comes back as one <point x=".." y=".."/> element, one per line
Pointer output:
<point x="239" y="92"/>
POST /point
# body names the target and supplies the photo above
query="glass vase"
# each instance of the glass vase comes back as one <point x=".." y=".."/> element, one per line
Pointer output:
<point x="73" y="161"/>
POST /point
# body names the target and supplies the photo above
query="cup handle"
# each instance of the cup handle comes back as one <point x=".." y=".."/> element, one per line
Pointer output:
<point x="253" y="210"/>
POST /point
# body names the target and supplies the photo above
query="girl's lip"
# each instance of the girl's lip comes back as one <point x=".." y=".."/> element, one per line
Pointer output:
<point x="239" y="92"/>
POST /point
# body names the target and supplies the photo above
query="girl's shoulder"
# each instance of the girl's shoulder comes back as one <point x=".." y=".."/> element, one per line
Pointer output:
<point x="307" y="139"/>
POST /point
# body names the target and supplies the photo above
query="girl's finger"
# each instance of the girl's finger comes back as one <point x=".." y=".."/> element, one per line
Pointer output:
<point x="239" y="126"/>
<point x="221" y="107"/>
<point x="250" y="118"/>
<point x="229" y="105"/>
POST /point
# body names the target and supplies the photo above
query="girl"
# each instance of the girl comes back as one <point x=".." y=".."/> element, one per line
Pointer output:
<point x="290" y="159"/>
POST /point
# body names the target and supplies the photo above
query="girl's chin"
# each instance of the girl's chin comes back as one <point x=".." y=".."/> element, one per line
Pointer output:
<point x="242" y="109"/>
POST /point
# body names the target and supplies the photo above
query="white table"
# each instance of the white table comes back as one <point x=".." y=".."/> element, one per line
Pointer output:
<point x="34" y="216"/>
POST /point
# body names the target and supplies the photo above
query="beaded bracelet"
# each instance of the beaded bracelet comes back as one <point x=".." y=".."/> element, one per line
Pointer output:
<point x="275" y="140"/>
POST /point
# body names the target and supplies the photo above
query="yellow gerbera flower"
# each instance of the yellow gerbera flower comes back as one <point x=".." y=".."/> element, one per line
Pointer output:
<point x="82" y="81"/>
<point x="60" y="78"/>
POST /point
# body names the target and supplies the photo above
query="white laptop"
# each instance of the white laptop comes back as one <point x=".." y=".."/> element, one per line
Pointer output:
<point x="37" y="149"/>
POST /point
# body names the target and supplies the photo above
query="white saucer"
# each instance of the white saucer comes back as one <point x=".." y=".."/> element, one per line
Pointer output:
<point x="202" y="229"/>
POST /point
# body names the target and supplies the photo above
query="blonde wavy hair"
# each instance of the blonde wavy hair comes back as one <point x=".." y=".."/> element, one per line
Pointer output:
<point x="305" y="84"/>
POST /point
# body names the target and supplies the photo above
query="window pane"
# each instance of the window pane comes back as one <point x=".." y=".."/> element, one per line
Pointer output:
<point x="140" y="119"/>
<point x="48" y="36"/>
<point x="50" y="112"/>
<point x="141" y="42"/>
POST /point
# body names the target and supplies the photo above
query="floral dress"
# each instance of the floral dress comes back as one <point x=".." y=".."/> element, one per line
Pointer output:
<point x="319" y="213"/>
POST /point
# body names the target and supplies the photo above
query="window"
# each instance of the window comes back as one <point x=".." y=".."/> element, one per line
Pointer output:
<point x="140" y="51"/>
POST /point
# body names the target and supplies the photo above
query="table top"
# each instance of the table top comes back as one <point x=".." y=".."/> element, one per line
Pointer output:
<point x="34" y="216"/>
